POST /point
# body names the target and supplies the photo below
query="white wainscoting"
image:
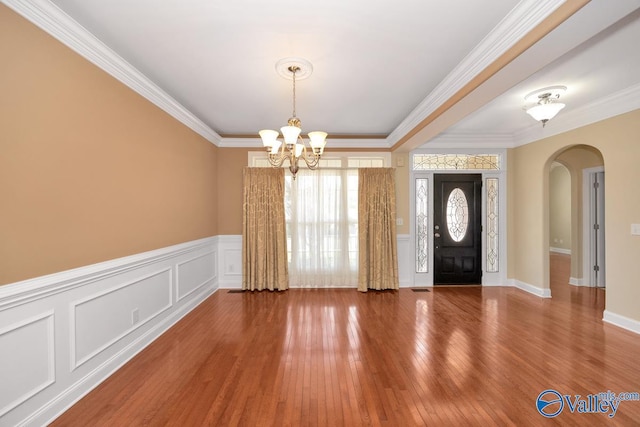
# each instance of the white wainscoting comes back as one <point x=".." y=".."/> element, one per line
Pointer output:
<point x="230" y="260"/>
<point x="405" y="261"/>
<point x="63" y="334"/>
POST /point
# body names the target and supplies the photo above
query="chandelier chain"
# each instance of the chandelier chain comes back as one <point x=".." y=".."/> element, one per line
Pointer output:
<point x="293" y="70"/>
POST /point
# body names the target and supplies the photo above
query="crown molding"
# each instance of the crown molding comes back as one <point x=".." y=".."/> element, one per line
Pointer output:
<point x="470" y="140"/>
<point x="373" y="143"/>
<point x="61" y="26"/>
<point x="612" y="105"/>
<point x="519" y="22"/>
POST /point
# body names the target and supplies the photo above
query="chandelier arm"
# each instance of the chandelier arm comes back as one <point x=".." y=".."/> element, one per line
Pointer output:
<point x="278" y="159"/>
<point x="275" y="160"/>
<point x="311" y="161"/>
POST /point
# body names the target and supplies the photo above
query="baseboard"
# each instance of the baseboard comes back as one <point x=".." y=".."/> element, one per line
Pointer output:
<point x="574" y="281"/>
<point x="122" y="306"/>
<point x="621" y="321"/>
<point x="560" y="250"/>
<point x="540" y="292"/>
<point x="77" y="391"/>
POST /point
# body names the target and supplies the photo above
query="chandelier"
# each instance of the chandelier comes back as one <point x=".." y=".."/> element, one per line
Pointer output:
<point x="546" y="107"/>
<point x="294" y="147"/>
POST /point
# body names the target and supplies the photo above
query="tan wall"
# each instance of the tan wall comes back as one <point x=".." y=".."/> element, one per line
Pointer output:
<point x="560" y="207"/>
<point x="617" y="140"/>
<point x="400" y="161"/>
<point x="89" y="170"/>
<point x="231" y="161"/>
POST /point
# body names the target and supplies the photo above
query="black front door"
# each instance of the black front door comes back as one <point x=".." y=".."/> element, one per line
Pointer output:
<point x="457" y="229"/>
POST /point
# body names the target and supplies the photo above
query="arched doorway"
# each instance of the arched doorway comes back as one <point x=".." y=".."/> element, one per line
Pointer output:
<point x="576" y="209"/>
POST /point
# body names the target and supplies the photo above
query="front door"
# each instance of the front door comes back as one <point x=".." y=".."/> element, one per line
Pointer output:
<point x="457" y="229"/>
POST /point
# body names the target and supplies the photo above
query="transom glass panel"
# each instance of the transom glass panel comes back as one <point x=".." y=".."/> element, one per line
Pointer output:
<point x="456" y="162"/>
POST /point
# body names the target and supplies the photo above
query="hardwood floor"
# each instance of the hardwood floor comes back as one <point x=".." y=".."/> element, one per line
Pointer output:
<point x="452" y="356"/>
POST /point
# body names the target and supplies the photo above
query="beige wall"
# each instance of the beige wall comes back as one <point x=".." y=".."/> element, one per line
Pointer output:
<point x="617" y="139"/>
<point x="89" y="170"/>
<point x="560" y="207"/>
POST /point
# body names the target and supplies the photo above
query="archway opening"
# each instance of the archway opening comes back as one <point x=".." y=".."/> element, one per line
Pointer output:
<point x="576" y="223"/>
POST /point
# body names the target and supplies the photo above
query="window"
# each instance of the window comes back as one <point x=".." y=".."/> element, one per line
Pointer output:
<point x="321" y="212"/>
<point x="456" y="162"/>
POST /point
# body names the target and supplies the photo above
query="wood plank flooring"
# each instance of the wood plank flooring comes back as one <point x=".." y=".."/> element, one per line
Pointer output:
<point x="452" y="356"/>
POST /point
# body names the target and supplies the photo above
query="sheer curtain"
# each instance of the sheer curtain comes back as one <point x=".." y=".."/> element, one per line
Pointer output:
<point x="264" y="244"/>
<point x="378" y="262"/>
<point x="321" y="208"/>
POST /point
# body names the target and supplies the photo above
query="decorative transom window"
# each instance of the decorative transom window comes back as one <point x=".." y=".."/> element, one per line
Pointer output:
<point x="456" y="162"/>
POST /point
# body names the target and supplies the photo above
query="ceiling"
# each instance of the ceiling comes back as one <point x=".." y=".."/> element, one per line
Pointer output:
<point x="385" y="75"/>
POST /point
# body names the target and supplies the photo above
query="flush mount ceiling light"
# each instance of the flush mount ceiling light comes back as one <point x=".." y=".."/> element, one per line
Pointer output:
<point x="294" y="147"/>
<point x="546" y="106"/>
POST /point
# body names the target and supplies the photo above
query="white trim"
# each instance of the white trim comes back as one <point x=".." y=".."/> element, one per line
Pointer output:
<point x="488" y="141"/>
<point x="47" y="316"/>
<point x="574" y="281"/>
<point x="179" y="296"/>
<point x="54" y="408"/>
<point x="540" y="292"/>
<point x="404" y="261"/>
<point x="588" y="206"/>
<point x="76" y="361"/>
<point x="57" y="23"/>
<point x="488" y="279"/>
<point x="621" y="102"/>
<point x="621" y="321"/>
<point x="58" y="294"/>
<point x="520" y="21"/>
<point x="560" y="250"/>
<point x="343" y="156"/>
<point x="369" y="143"/>
<point x="230" y="261"/>
<point x="32" y="289"/>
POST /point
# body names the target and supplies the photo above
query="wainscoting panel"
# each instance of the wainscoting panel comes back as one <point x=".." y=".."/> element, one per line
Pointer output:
<point x="100" y="320"/>
<point x="195" y="273"/>
<point x="230" y="261"/>
<point x="404" y="261"/>
<point x="61" y="335"/>
<point x="28" y="344"/>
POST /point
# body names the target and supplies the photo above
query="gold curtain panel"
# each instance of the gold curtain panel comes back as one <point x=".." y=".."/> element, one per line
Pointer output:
<point x="264" y="241"/>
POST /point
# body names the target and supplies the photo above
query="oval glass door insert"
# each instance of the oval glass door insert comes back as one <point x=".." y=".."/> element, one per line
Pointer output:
<point x="457" y="214"/>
